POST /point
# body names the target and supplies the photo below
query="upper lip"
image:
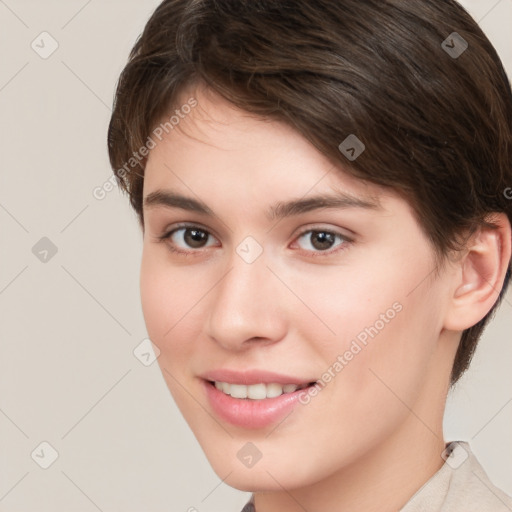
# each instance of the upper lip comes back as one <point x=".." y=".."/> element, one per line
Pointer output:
<point x="254" y="376"/>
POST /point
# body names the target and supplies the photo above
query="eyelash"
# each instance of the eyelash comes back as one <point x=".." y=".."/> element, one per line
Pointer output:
<point x="346" y="241"/>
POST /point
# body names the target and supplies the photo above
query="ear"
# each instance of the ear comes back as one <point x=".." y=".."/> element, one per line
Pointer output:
<point x="479" y="274"/>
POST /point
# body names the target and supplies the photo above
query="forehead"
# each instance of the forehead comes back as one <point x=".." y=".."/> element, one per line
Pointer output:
<point x="216" y="149"/>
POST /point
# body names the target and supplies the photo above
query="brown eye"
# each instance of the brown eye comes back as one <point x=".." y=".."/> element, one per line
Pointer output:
<point x="320" y="240"/>
<point x="195" y="238"/>
<point x="186" y="239"/>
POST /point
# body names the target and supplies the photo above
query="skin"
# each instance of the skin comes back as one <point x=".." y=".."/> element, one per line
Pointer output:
<point x="373" y="435"/>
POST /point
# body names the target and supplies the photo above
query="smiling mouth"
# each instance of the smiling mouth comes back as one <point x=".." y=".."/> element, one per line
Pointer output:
<point x="259" y="391"/>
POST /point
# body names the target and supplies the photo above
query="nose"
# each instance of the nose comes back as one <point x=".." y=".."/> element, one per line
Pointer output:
<point x="246" y="306"/>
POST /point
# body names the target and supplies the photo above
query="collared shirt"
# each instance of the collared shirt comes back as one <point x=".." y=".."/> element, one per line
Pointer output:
<point x="460" y="485"/>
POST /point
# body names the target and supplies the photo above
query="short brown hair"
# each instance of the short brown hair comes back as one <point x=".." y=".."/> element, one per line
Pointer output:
<point x="437" y="126"/>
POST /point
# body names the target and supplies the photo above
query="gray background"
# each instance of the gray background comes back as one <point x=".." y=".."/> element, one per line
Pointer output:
<point x="70" y="324"/>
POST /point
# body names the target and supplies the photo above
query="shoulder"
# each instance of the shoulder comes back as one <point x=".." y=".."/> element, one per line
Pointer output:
<point x="461" y="485"/>
<point x="471" y="486"/>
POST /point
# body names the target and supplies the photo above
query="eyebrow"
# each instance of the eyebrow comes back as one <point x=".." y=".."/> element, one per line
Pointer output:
<point x="340" y="200"/>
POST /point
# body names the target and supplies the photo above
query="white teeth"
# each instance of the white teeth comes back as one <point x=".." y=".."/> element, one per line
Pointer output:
<point x="256" y="391"/>
<point x="274" y="390"/>
<point x="238" y="390"/>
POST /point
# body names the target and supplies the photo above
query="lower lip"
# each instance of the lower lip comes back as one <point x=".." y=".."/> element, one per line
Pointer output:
<point x="249" y="413"/>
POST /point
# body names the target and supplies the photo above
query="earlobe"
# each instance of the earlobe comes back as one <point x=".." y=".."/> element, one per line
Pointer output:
<point x="480" y="274"/>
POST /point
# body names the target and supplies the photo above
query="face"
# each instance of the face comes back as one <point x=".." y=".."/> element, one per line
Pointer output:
<point x="251" y="280"/>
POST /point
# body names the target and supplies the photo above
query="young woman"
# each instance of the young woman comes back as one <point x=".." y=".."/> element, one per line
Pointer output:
<point x="324" y="193"/>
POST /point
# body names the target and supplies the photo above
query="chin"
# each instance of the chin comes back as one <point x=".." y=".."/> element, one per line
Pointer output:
<point x="269" y="475"/>
<point x="256" y="482"/>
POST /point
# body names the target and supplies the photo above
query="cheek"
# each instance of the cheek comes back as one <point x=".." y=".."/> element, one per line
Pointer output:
<point x="168" y="293"/>
<point x="383" y="328"/>
<point x="168" y="296"/>
<point x="156" y="291"/>
<point x="167" y="304"/>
